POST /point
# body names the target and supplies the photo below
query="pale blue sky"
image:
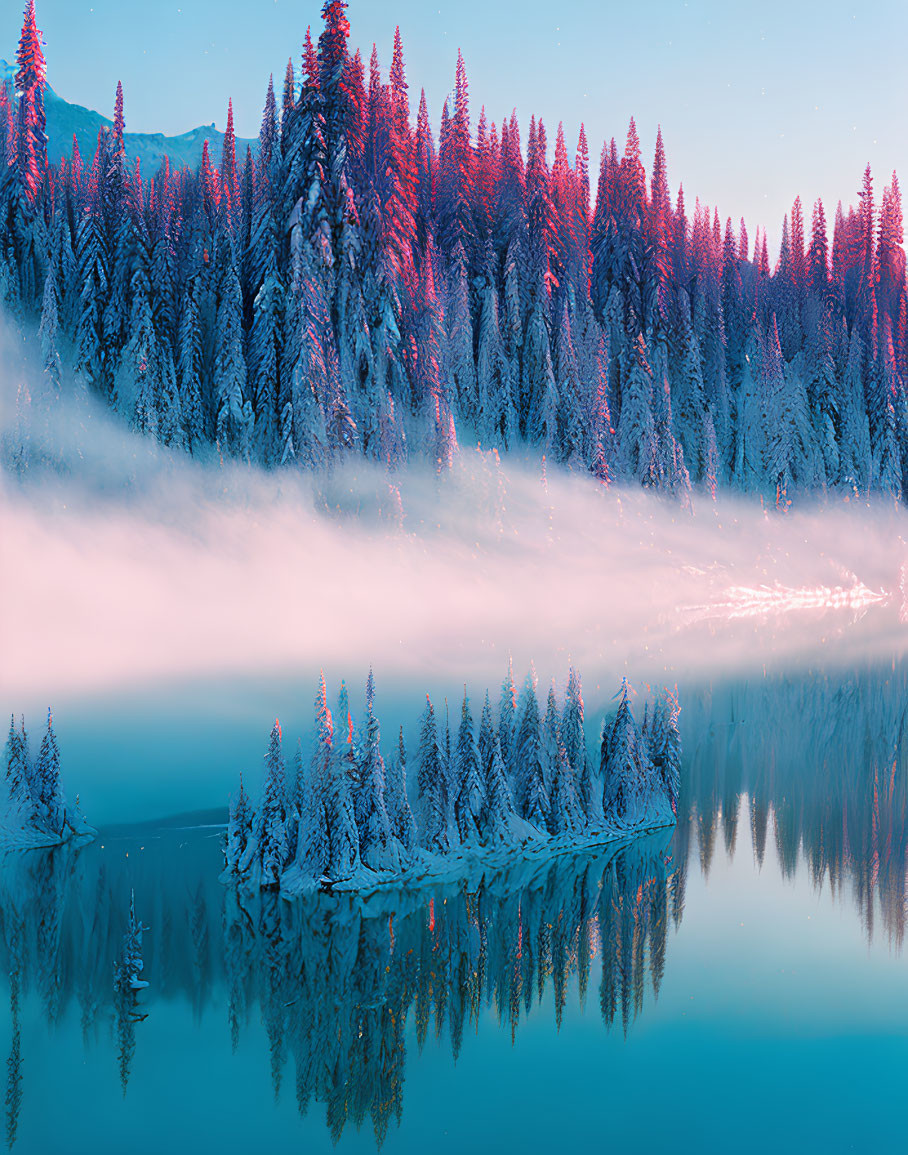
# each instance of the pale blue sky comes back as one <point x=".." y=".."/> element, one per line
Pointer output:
<point x="758" y="102"/>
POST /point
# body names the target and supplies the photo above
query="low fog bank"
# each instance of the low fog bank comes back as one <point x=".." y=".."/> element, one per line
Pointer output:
<point x="125" y="564"/>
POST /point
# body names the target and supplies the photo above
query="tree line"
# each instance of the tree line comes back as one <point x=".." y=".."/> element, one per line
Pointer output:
<point x="362" y="285"/>
<point x="344" y="815"/>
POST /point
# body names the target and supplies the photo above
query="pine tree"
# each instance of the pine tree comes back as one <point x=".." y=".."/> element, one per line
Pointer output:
<point x="17" y="773"/>
<point x="624" y="768"/>
<point x="403" y="825"/>
<point x="574" y="739"/>
<point x="47" y="332"/>
<point x="454" y="193"/>
<point x="565" y="813"/>
<point x="313" y="853"/>
<point x="342" y="784"/>
<point x="47" y="791"/>
<point x="272" y="816"/>
<point x="431" y="786"/>
<point x="234" y="411"/>
<point x="636" y="429"/>
<point x="501" y="818"/>
<point x="470" y="802"/>
<point x="190" y="367"/>
<point x="664" y="752"/>
<point x="239" y="828"/>
<point x="264" y="347"/>
<point x="378" y="848"/>
<point x="229" y="178"/>
<point x="31" y="123"/>
<point x="507" y="713"/>
<point x="530" y="788"/>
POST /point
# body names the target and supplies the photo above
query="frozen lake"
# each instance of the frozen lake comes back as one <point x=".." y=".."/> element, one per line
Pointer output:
<point x="737" y="984"/>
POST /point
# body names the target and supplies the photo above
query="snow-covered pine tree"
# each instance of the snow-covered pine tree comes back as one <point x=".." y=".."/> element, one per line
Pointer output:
<point x="297" y="786"/>
<point x="470" y="801"/>
<point x="403" y="824"/>
<point x="496" y="418"/>
<point x="313" y="850"/>
<point x="272" y="816"/>
<point x="664" y="752"/>
<point x="566" y="815"/>
<point x="672" y="756"/>
<point x="574" y="739"/>
<point x="239" y="828"/>
<point x="499" y="823"/>
<point x="264" y="345"/>
<point x="341" y="787"/>
<point x="625" y="767"/>
<point x="47" y="332"/>
<point x="507" y="714"/>
<point x="190" y="367"/>
<point x="502" y="823"/>
<point x="31" y="122"/>
<point x="568" y="386"/>
<point x="234" y="411"/>
<point x="17" y="775"/>
<point x="46" y="787"/>
<point x="530" y="791"/>
<point x="431" y="786"/>
<point x="636" y="429"/>
<point x="565" y="811"/>
<point x="460" y="359"/>
<point x="378" y="845"/>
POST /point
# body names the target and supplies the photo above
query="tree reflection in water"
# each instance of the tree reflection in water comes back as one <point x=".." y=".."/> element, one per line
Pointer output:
<point x="335" y="978"/>
<point x="345" y="986"/>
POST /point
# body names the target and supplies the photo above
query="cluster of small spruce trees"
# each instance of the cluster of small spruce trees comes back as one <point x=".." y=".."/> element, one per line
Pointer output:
<point x="35" y="802"/>
<point x="524" y="778"/>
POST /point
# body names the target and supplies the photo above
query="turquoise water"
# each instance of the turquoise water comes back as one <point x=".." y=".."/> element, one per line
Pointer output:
<point x="737" y="984"/>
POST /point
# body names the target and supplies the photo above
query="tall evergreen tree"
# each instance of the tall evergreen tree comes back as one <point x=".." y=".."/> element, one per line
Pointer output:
<point x="378" y="847"/>
<point x="470" y="802"/>
<point x="47" y="792"/>
<point x="272" y="817"/>
<point x="431" y="786"/>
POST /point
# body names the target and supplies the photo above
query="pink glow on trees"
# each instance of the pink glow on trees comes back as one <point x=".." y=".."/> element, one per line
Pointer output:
<point x="31" y="136"/>
<point x="229" y="181"/>
<point x="482" y="284"/>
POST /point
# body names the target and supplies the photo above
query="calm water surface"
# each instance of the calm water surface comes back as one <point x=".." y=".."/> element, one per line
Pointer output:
<point x="737" y="984"/>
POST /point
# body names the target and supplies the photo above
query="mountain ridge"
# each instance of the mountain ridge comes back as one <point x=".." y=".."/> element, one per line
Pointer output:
<point x="65" y="120"/>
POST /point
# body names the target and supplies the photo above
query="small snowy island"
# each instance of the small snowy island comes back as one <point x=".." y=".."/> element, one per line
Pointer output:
<point x="524" y="786"/>
<point x="33" y="808"/>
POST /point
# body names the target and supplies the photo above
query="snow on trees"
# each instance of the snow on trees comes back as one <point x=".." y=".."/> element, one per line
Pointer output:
<point x="347" y="820"/>
<point x="354" y="289"/>
<point x="470" y="802"/>
<point x="33" y="807"/>
<point x="431" y="785"/>
<point x="379" y="848"/>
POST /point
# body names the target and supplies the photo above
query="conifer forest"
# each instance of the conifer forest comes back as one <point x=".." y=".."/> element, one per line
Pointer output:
<point x="363" y="284"/>
<point x="453" y="470"/>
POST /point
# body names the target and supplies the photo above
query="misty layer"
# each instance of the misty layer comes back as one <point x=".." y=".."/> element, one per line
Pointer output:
<point x="230" y="569"/>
